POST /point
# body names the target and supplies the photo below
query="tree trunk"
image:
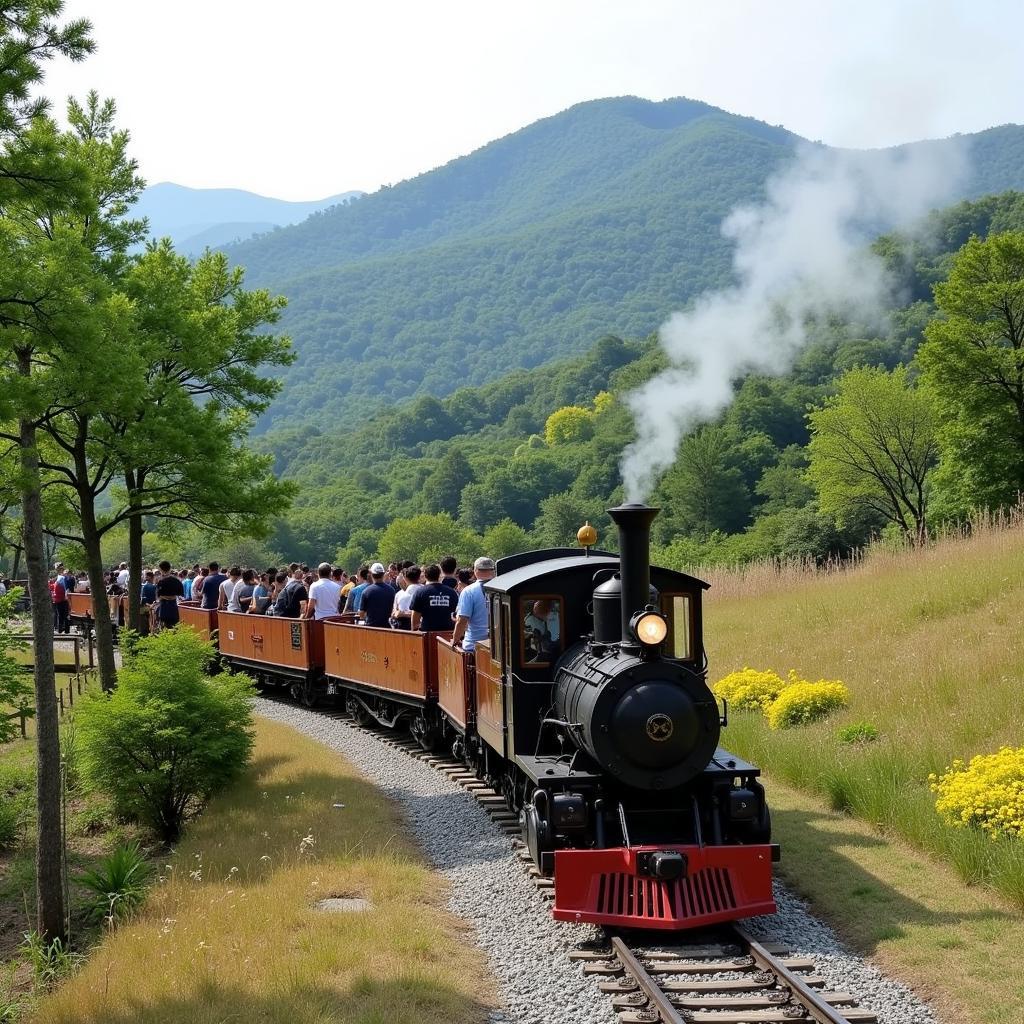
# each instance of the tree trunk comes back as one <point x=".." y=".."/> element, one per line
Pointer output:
<point x="49" y="845"/>
<point x="17" y="561"/>
<point x="94" y="566"/>
<point x="135" y="571"/>
<point x="105" y="663"/>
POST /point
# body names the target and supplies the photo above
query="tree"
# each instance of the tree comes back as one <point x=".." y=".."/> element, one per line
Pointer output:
<point x="443" y="488"/>
<point x="973" y="359"/>
<point x="427" y="538"/>
<point x="873" y="446"/>
<point x="561" y="516"/>
<point x="169" y="736"/>
<point x="33" y="288"/>
<point x="569" y="425"/>
<point x="201" y="337"/>
<point x="703" y="491"/>
<point x="505" y="538"/>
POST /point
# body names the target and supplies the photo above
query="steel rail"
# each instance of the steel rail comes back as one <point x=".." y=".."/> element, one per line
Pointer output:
<point x="659" y="1001"/>
<point x="818" y="1009"/>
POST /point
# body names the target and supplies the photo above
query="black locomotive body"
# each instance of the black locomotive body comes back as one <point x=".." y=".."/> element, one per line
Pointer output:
<point x="609" y="744"/>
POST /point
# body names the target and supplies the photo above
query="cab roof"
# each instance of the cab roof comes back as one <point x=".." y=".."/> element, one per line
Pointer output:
<point x="518" y="571"/>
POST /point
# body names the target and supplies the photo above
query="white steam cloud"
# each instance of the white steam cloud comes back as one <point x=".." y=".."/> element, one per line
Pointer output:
<point x="800" y="256"/>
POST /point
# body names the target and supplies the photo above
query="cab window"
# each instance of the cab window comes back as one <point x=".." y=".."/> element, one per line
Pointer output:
<point x="540" y="617"/>
<point x="677" y="608"/>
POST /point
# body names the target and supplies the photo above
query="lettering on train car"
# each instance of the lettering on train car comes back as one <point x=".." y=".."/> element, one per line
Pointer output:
<point x="231" y="634"/>
<point x="369" y="657"/>
<point x="296" y="636"/>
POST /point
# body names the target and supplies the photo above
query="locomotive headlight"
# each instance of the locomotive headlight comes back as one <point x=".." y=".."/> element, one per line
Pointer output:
<point x="649" y="628"/>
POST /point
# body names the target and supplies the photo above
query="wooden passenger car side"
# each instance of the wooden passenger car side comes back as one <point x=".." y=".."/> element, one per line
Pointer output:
<point x="202" y="620"/>
<point x="295" y="645"/>
<point x="456" y="683"/>
<point x="399" y="661"/>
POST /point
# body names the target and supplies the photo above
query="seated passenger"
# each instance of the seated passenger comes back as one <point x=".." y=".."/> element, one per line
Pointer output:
<point x="543" y="631"/>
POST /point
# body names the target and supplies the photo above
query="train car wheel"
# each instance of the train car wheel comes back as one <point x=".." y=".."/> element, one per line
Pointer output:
<point x="304" y="693"/>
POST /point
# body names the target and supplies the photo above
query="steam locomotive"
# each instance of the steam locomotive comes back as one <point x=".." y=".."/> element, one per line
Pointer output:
<point x="587" y="707"/>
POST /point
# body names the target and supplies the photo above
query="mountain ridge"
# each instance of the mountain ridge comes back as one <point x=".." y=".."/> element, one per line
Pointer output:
<point x="604" y="218"/>
<point x="196" y="217"/>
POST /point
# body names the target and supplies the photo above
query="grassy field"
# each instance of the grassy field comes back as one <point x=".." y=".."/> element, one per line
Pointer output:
<point x="930" y="644"/>
<point x="958" y="945"/>
<point x="230" y="932"/>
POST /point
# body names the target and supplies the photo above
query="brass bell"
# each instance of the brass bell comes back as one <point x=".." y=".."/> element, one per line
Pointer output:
<point x="586" y="535"/>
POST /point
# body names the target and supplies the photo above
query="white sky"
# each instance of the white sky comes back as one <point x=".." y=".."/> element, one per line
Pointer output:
<point x="308" y="98"/>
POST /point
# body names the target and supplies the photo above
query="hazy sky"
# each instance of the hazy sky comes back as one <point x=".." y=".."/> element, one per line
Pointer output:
<point x="308" y="98"/>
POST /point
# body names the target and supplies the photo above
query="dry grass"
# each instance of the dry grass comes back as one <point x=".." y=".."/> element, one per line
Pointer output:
<point x="770" y="576"/>
<point x="230" y="933"/>
<point x="931" y="645"/>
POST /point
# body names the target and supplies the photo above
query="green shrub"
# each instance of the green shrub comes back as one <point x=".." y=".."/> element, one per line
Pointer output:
<point x="858" y="732"/>
<point x="12" y="819"/>
<point x="51" y="961"/>
<point x="118" y="884"/>
<point x="803" y="702"/>
<point x="169" y="736"/>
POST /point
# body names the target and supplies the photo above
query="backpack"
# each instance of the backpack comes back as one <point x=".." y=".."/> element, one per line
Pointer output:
<point x="57" y="592"/>
<point x="289" y="604"/>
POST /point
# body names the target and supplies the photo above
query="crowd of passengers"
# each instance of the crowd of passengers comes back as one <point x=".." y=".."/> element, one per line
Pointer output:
<point x="438" y="597"/>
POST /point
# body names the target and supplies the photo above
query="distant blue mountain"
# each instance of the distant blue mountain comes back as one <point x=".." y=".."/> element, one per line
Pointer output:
<point x="195" y="218"/>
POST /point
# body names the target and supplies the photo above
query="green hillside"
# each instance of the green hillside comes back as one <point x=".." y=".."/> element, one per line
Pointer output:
<point x="601" y="219"/>
<point x="737" y="490"/>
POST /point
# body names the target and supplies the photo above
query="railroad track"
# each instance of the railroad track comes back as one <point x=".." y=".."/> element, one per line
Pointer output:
<point x="737" y="980"/>
<point x="730" y="979"/>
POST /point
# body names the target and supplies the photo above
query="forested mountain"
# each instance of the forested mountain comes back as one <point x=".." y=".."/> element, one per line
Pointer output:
<point x="601" y="219"/>
<point x="195" y="218"/>
<point x="482" y="455"/>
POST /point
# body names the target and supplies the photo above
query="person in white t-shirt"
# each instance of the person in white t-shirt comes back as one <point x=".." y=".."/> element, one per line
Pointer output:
<point x="324" y="594"/>
<point x="122" y="575"/>
<point x="410" y="583"/>
<point x="227" y="590"/>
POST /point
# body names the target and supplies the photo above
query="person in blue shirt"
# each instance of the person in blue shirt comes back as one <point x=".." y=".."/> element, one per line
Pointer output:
<point x="211" y="586"/>
<point x="471" y="624"/>
<point x="355" y="595"/>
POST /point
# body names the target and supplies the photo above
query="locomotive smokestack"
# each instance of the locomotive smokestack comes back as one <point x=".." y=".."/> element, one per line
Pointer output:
<point x="634" y="523"/>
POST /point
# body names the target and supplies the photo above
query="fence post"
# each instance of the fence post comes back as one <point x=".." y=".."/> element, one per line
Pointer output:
<point x="60" y="697"/>
<point x="23" y="716"/>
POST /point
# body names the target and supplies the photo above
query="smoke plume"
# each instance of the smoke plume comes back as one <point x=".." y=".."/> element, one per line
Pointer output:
<point x="800" y="256"/>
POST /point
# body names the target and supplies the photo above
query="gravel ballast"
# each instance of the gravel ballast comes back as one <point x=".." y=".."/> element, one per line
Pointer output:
<point x="526" y="948"/>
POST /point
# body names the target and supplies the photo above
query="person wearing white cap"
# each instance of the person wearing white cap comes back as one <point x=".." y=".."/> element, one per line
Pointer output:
<point x="324" y="594"/>
<point x="378" y="597"/>
<point x="471" y="622"/>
